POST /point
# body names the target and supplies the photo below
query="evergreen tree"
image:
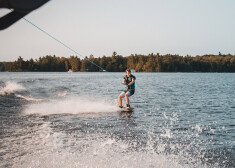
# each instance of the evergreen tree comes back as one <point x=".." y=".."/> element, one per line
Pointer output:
<point x="84" y="63"/>
<point x="2" y="67"/>
<point x="75" y="63"/>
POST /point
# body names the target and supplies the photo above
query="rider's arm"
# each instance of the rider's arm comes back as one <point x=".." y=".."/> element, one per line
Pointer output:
<point x="132" y="81"/>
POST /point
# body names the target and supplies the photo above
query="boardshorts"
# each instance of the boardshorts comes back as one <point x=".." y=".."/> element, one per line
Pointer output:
<point x="130" y="93"/>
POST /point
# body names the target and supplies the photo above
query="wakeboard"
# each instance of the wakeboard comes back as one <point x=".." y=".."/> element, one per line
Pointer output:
<point x="125" y="109"/>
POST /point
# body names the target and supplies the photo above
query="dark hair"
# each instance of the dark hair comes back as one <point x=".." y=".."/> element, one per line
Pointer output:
<point x="128" y="70"/>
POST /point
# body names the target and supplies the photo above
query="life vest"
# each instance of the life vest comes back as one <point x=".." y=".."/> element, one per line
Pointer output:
<point x="128" y="80"/>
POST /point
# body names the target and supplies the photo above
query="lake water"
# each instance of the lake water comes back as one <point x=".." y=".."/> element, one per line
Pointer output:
<point x="72" y="120"/>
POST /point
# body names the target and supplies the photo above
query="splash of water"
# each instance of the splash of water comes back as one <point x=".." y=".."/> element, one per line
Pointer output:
<point x="11" y="87"/>
<point x="75" y="105"/>
<point x="28" y="98"/>
<point x="98" y="152"/>
<point x="61" y="93"/>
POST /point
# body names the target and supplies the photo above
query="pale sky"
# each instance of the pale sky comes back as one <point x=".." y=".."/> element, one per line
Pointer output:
<point x="99" y="27"/>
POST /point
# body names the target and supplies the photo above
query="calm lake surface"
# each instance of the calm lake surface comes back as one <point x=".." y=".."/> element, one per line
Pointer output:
<point x="72" y="120"/>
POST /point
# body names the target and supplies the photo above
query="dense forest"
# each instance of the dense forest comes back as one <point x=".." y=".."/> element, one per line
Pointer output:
<point x="118" y="63"/>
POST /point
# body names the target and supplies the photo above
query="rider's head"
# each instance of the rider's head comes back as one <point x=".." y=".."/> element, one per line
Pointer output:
<point x="128" y="72"/>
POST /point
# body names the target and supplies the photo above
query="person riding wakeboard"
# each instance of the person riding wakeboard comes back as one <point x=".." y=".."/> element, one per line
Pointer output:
<point x="128" y="80"/>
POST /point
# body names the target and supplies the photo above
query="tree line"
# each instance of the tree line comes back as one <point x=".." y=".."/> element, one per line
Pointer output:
<point x="117" y="63"/>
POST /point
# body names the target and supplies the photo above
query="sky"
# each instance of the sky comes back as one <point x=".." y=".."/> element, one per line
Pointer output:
<point x="100" y="27"/>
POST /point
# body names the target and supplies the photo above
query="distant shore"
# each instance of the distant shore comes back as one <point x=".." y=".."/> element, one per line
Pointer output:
<point x="117" y="63"/>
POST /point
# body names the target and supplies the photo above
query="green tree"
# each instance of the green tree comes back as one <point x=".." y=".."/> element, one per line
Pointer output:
<point x="84" y="63"/>
<point x="131" y="62"/>
<point x="75" y="63"/>
<point x="31" y="65"/>
<point x="2" y="67"/>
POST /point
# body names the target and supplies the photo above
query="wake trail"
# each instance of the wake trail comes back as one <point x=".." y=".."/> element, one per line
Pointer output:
<point x="74" y="105"/>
